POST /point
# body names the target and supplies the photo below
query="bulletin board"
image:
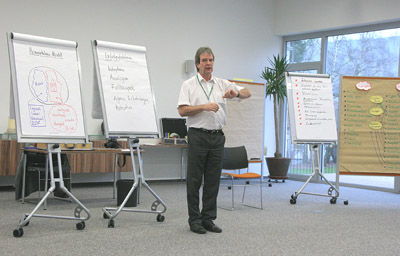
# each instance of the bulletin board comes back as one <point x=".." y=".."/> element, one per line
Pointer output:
<point x="369" y="126"/>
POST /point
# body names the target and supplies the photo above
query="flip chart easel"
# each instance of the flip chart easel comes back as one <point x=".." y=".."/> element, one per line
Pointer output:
<point x="126" y="96"/>
<point x="45" y="77"/>
<point x="312" y="121"/>
<point x="128" y="109"/>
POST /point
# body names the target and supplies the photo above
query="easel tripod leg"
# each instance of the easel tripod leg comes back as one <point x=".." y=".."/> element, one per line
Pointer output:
<point x="54" y="148"/>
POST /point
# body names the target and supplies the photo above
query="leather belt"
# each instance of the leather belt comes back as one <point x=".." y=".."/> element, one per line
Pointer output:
<point x="207" y="131"/>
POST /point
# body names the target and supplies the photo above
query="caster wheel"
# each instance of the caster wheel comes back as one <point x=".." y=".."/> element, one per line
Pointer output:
<point x="111" y="223"/>
<point x="269" y="180"/>
<point x="80" y="225"/>
<point x="346" y="202"/>
<point x="247" y="182"/>
<point x="229" y="187"/>
<point x="160" y="218"/>
<point x="269" y="185"/>
<point x="105" y="216"/>
<point x="18" y="232"/>
<point x="283" y="181"/>
<point x="330" y="190"/>
<point x="293" y="201"/>
<point x="333" y="201"/>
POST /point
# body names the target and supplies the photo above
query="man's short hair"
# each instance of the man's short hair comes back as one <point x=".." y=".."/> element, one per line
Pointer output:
<point x="199" y="52"/>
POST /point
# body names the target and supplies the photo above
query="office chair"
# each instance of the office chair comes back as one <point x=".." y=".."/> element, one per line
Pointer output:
<point x="235" y="158"/>
<point x="35" y="166"/>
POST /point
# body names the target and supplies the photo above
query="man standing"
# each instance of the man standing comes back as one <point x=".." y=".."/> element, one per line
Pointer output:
<point x="203" y="100"/>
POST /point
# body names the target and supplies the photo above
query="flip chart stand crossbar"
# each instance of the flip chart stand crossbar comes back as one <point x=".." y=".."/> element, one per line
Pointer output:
<point x="139" y="181"/>
<point x="54" y="149"/>
<point x="316" y="171"/>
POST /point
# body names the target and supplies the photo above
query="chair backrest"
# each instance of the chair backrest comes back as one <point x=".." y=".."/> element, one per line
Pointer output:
<point x="235" y="158"/>
<point x="34" y="159"/>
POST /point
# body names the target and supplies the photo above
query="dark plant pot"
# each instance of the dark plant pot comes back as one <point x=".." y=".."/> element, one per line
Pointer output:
<point x="278" y="167"/>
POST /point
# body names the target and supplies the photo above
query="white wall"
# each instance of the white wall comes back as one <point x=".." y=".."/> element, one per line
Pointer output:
<point x="239" y="32"/>
<point x="302" y="16"/>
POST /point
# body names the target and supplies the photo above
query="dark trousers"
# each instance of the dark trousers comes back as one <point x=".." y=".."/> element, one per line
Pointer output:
<point x="205" y="152"/>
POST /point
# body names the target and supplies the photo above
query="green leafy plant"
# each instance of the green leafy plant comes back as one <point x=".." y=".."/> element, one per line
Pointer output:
<point x="276" y="87"/>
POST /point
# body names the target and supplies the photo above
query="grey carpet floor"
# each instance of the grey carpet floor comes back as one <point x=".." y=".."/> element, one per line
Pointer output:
<point x="368" y="225"/>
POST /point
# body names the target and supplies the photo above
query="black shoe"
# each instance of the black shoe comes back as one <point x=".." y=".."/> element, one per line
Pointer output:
<point x="210" y="226"/>
<point x="198" y="228"/>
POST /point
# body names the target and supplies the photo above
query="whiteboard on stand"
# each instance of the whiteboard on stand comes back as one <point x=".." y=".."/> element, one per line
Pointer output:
<point x="126" y="96"/>
<point x="45" y="77"/>
<point x="311" y="108"/>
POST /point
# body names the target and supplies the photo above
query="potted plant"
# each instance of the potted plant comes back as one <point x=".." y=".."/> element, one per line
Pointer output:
<point x="276" y="87"/>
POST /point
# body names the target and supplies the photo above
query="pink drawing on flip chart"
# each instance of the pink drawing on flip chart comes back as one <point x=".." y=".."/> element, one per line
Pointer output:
<point x="298" y="102"/>
<point x="63" y="118"/>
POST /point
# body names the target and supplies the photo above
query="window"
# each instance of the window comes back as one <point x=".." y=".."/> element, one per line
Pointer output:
<point x="301" y="51"/>
<point x="363" y="54"/>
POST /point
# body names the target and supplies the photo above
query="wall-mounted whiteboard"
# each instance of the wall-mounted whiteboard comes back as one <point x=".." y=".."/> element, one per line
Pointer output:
<point x="311" y="108"/>
<point x="45" y="75"/>
<point x="126" y="95"/>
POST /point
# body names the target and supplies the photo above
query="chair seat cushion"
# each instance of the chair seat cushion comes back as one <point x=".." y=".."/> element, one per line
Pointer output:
<point x="247" y="175"/>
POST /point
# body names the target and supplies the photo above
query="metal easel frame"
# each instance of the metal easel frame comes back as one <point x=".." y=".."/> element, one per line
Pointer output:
<point x="139" y="180"/>
<point x="316" y="171"/>
<point x="54" y="149"/>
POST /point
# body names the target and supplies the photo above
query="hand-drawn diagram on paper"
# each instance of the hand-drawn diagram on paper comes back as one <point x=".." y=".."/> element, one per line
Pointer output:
<point x="50" y="93"/>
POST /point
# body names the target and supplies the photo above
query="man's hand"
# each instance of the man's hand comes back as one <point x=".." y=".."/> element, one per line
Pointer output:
<point x="230" y="94"/>
<point x="211" y="107"/>
<point x="186" y="110"/>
